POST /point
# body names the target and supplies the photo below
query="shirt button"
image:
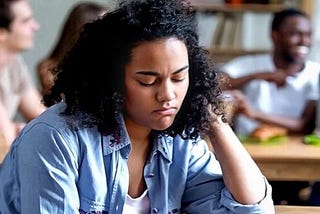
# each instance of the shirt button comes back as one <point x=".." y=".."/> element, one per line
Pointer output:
<point x="155" y="210"/>
<point x="150" y="175"/>
<point x="175" y="211"/>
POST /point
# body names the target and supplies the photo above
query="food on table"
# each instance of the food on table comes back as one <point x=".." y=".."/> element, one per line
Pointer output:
<point x="265" y="132"/>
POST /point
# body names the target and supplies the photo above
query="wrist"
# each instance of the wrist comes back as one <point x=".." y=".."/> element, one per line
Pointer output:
<point x="217" y="124"/>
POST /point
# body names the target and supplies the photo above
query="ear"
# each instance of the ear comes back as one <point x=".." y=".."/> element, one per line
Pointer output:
<point x="3" y="34"/>
<point x="274" y="36"/>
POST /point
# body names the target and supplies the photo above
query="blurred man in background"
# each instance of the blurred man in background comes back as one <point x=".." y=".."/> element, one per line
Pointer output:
<point x="281" y="88"/>
<point x="17" y="92"/>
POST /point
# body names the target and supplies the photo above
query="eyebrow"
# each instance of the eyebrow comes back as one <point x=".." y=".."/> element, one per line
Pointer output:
<point x="154" y="73"/>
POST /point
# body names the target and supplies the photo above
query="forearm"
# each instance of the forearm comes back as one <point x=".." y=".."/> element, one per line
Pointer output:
<point x="293" y="125"/>
<point x="7" y="127"/>
<point x="237" y="83"/>
<point x="278" y="78"/>
<point x="241" y="175"/>
<point x="10" y="131"/>
<point x="30" y="105"/>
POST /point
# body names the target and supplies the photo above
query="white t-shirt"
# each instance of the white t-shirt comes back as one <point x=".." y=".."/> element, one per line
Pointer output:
<point x="14" y="82"/>
<point x="288" y="101"/>
<point x="140" y="205"/>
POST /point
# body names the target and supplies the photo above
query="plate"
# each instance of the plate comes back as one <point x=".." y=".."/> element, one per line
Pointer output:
<point x="273" y="140"/>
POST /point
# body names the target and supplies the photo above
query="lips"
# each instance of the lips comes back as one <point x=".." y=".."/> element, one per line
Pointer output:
<point x="166" y="111"/>
<point x="301" y="50"/>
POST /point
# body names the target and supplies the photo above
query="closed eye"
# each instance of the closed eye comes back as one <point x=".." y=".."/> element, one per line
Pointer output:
<point x="178" y="79"/>
<point x="146" y="84"/>
<point x="180" y="76"/>
<point x="150" y="78"/>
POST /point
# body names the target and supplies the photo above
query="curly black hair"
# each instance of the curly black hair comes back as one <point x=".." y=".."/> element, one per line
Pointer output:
<point x="90" y="79"/>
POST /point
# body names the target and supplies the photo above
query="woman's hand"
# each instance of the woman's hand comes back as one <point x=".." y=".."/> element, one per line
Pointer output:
<point x="238" y="104"/>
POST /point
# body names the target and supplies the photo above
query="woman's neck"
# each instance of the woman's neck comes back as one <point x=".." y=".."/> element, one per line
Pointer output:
<point x="139" y="135"/>
<point x="140" y="151"/>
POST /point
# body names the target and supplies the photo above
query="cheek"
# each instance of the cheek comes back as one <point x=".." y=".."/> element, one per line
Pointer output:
<point x="136" y="98"/>
<point x="138" y="107"/>
<point x="133" y="99"/>
<point x="293" y="40"/>
<point x="183" y="90"/>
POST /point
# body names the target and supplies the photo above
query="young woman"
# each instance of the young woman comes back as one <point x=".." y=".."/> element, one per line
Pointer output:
<point x="126" y="136"/>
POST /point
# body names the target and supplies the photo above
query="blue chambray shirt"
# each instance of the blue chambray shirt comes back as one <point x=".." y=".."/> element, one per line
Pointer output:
<point x="52" y="168"/>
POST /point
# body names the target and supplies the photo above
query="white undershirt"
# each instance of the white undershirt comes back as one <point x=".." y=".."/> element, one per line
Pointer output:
<point x="140" y="205"/>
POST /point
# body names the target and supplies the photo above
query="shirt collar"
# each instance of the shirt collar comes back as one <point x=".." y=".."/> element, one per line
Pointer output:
<point x="116" y="141"/>
<point x="162" y="143"/>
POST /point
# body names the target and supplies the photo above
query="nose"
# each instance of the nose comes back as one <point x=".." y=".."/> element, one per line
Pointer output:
<point x="166" y="92"/>
<point x="35" y="25"/>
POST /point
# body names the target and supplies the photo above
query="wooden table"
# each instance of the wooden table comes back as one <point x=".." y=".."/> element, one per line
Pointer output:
<point x="290" y="160"/>
<point x="296" y="210"/>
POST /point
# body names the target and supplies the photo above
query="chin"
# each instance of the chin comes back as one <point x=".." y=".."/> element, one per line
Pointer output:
<point x="25" y="48"/>
<point x="162" y="127"/>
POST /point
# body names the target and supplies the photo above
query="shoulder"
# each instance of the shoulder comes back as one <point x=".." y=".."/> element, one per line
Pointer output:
<point x="18" y="70"/>
<point x="54" y="131"/>
<point x="49" y="126"/>
<point x="18" y="63"/>
<point x="247" y="62"/>
<point x="312" y="65"/>
<point x="50" y="140"/>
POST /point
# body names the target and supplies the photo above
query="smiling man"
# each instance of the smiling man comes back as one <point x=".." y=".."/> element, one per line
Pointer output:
<point x="280" y="88"/>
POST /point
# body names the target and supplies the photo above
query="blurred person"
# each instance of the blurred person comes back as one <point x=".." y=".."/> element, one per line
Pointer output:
<point x="17" y="92"/>
<point x="270" y="82"/>
<point x="126" y="136"/>
<point x="79" y="15"/>
<point x="279" y="89"/>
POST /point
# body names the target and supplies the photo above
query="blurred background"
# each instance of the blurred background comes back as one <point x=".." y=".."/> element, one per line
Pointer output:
<point x="227" y="27"/>
<point x="50" y="14"/>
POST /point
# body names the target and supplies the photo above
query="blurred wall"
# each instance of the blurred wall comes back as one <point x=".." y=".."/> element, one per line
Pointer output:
<point x="50" y="14"/>
<point x="313" y="9"/>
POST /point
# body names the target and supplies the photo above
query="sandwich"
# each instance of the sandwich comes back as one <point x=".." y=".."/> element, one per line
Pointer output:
<point x="266" y="132"/>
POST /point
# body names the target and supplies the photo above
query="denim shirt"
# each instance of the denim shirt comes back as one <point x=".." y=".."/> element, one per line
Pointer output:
<point x="53" y="168"/>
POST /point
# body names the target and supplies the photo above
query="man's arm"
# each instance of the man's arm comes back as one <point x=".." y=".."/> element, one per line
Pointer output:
<point x="303" y="124"/>
<point x="31" y="105"/>
<point x="7" y="128"/>
<point x="278" y="77"/>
